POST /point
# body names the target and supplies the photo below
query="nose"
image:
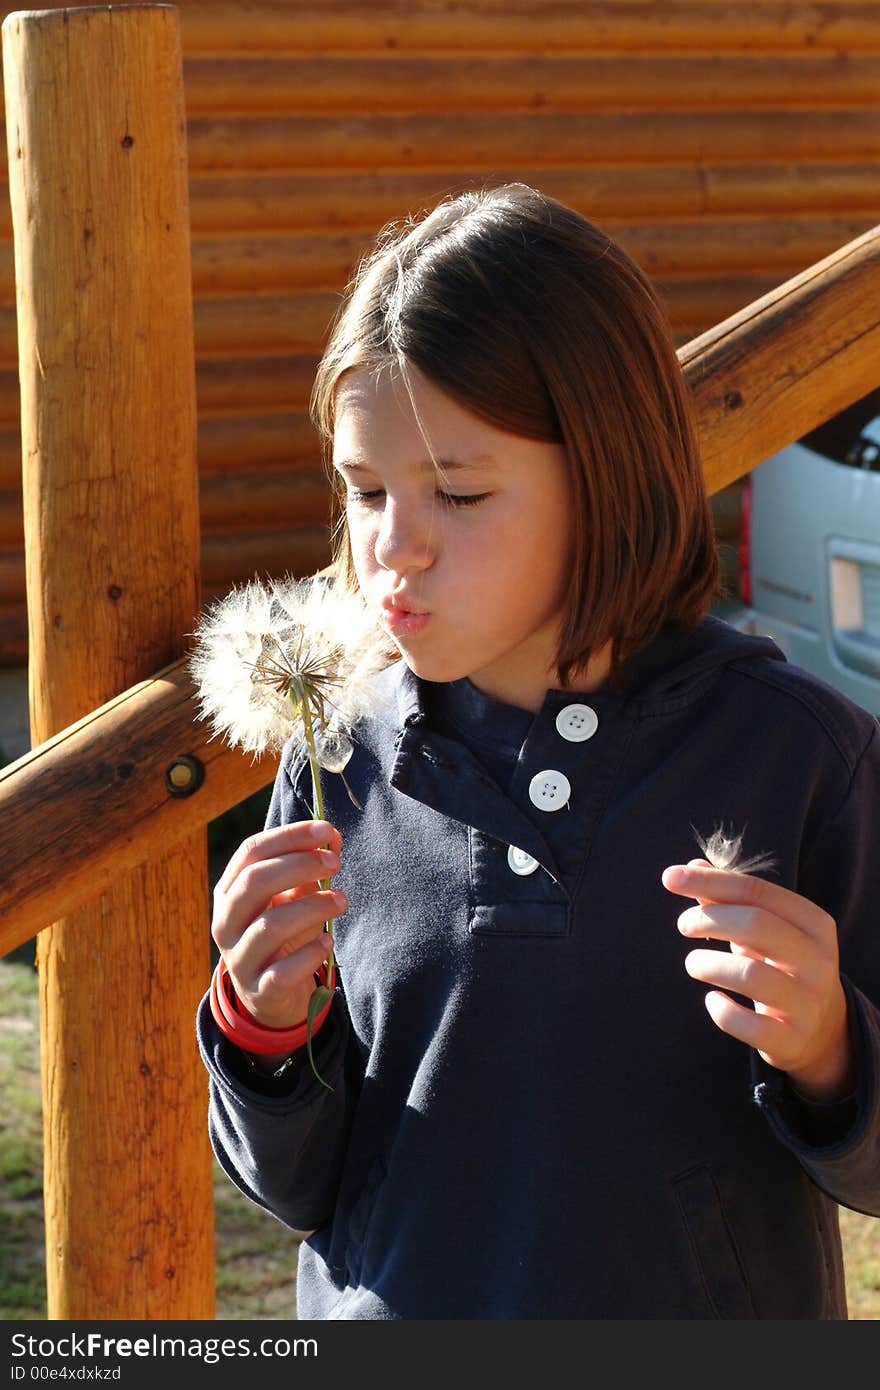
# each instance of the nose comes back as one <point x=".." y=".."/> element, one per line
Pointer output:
<point x="404" y="541"/>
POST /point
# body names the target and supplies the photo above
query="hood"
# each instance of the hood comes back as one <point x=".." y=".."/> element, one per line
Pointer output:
<point x="677" y="658"/>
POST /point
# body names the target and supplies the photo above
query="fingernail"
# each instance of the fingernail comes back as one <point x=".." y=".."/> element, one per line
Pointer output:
<point x="675" y="876"/>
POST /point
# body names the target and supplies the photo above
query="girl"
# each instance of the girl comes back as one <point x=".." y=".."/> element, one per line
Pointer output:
<point x="535" y="1112"/>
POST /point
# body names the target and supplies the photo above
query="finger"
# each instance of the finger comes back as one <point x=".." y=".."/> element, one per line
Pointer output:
<point x="321" y="938"/>
<point x="256" y="884"/>
<point x="293" y="895"/>
<point x="279" y="841"/>
<point x="277" y="995"/>
<point x="753" y="931"/>
<point x="764" y="984"/>
<point x="727" y="886"/>
<point x="289" y="969"/>
<point x="761" y="1031"/>
<point x="281" y="931"/>
<point x="699" y="863"/>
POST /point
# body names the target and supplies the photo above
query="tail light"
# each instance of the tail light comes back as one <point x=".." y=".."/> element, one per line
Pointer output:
<point x="742" y="550"/>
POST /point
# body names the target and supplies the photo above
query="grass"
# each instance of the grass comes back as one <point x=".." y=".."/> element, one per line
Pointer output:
<point x="255" y="1254"/>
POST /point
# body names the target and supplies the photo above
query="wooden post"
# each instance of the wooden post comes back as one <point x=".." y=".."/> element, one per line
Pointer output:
<point x="98" y="183"/>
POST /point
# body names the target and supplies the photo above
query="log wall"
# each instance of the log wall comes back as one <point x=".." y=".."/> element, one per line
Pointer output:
<point x="727" y="145"/>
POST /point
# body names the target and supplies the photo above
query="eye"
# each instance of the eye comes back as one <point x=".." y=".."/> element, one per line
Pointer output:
<point x="356" y="494"/>
<point x="463" y="500"/>
<point x="451" y="499"/>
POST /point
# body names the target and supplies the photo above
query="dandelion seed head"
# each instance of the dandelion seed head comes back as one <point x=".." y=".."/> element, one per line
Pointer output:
<point x="264" y="646"/>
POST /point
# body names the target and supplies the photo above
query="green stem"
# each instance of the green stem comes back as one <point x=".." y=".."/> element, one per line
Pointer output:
<point x="317" y="794"/>
<point x="317" y="814"/>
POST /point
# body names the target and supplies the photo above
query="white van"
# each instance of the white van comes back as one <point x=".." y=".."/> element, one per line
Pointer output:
<point x="809" y="552"/>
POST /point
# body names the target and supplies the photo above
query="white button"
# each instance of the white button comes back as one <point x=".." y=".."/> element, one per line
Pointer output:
<point x="549" y="790"/>
<point x="520" y="862"/>
<point x="577" y="723"/>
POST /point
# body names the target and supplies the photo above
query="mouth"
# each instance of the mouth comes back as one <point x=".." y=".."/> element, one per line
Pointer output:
<point x="401" y="620"/>
<point x="402" y="602"/>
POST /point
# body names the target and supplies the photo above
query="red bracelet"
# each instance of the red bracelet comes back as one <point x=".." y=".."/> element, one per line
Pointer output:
<point x="241" y="1028"/>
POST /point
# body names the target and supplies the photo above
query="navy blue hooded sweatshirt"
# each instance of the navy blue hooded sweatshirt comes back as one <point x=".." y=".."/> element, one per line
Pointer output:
<point x="532" y="1114"/>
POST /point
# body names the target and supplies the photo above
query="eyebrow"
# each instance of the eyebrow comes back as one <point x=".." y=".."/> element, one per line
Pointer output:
<point x="450" y="465"/>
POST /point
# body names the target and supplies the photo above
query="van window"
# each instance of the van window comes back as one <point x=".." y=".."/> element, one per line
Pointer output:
<point x="851" y="437"/>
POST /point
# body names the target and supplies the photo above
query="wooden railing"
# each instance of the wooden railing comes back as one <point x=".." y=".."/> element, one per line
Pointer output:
<point x="103" y="836"/>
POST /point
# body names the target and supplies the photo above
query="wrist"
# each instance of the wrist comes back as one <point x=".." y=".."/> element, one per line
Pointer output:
<point x="831" y="1079"/>
<point x="247" y="1033"/>
<point x="831" y="1076"/>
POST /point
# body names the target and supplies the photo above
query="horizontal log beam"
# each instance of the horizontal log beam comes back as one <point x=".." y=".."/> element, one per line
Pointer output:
<point x="785" y="363"/>
<point x="239" y="443"/>
<point x="259" y="381"/>
<point x="485" y="140"/>
<point x="534" y="26"/>
<point x="296" y="322"/>
<point x="274" y="26"/>
<point x="759" y="379"/>
<point x="249" y="500"/>
<point x="227" y="557"/>
<point x="100" y="785"/>
<point x="595" y="81"/>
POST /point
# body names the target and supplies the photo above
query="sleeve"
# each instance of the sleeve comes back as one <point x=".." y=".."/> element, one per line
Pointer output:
<point x="284" y="1143"/>
<point x="841" y="1151"/>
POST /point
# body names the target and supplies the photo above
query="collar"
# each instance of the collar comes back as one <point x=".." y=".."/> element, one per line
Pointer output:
<point x="672" y="668"/>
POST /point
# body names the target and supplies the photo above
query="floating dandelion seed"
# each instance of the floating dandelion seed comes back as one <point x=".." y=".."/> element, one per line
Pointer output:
<point x="283" y="659"/>
<point x="723" y="849"/>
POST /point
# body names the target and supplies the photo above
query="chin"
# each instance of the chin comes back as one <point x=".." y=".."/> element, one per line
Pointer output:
<point x="439" y="672"/>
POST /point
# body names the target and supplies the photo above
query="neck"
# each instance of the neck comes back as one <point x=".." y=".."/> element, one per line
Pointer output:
<point x="528" y="693"/>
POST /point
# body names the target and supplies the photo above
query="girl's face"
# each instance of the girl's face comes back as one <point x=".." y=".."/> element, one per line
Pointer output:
<point x="468" y="577"/>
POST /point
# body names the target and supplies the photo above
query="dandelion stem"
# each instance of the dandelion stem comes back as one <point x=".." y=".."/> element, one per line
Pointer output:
<point x="317" y="798"/>
<point x="321" y="992"/>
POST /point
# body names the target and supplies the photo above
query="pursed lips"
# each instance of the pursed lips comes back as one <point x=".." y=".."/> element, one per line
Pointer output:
<point x="394" y="603"/>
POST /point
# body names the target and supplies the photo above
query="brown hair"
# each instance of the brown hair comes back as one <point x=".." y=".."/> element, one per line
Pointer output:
<point x="532" y="318"/>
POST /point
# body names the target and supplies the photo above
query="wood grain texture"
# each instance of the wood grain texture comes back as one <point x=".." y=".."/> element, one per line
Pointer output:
<point x="216" y="27"/>
<point x="112" y="541"/>
<point x="790" y="360"/>
<point x="101" y="785"/>
<point x="462" y="81"/>
<point x="484" y="140"/>
<point x="525" y="25"/>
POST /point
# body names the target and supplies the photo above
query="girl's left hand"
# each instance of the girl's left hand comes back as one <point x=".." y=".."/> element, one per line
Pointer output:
<point x="783" y="955"/>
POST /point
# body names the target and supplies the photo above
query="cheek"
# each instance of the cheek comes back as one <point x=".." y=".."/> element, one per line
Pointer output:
<point x="361" y="538"/>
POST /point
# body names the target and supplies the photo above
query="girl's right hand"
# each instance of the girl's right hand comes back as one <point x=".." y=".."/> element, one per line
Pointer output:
<point x="269" y="915"/>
